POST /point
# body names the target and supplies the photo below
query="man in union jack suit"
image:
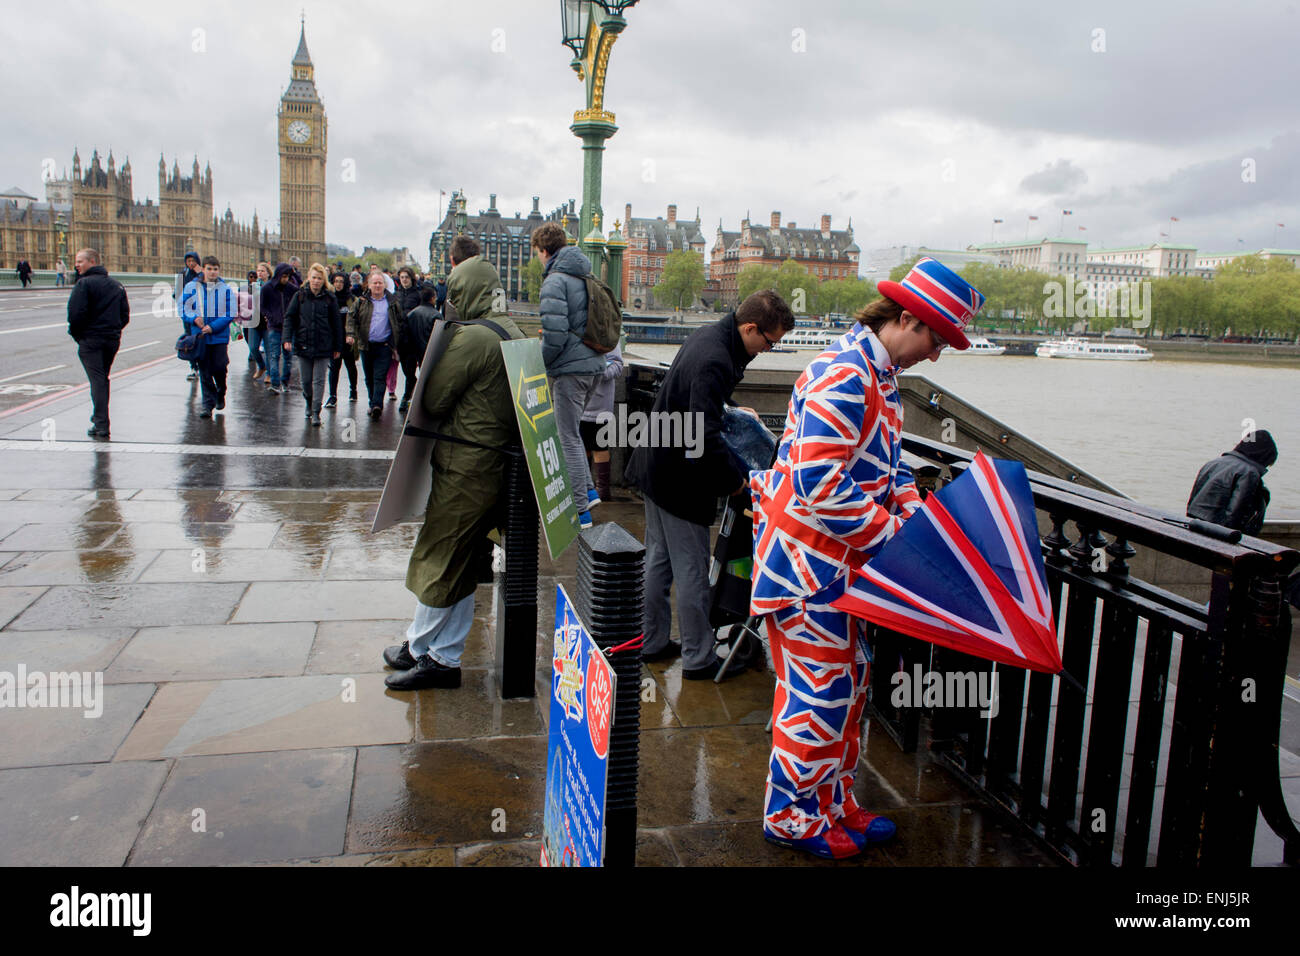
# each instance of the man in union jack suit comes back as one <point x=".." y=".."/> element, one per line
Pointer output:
<point x="838" y="491"/>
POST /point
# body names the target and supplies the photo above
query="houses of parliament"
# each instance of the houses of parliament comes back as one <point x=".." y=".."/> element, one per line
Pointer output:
<point x="95" y="205"/>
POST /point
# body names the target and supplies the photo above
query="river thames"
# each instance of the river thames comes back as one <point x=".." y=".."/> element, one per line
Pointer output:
<point x="1144" y="427"/>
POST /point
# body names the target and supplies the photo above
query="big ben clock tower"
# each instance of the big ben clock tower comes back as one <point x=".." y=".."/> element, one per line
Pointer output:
<point x="302" y="140"/>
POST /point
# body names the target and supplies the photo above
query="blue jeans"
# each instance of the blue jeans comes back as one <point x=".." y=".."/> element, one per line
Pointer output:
<point x="440" y="632"/>
<point x="255" y="347"/>
<point x="271" y="340"/>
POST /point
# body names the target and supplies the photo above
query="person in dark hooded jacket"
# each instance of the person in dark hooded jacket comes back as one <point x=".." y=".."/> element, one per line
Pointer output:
<point x="276" y="296"/>
<point x="408" y="297"/>
<point x="343" y="294"/>
<point x="1230" y="490"/>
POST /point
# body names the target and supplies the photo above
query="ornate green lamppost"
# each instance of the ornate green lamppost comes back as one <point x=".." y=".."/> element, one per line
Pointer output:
<point x="590" y="29"/>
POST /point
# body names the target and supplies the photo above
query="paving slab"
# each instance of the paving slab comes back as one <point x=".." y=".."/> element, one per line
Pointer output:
<point x="76" y="567"/>
<point x="82" y="815"/>
<point x="475" y="710"/>
<point x="970" y="835"/>
<point x="253" y="807"/>
<point x="272" y="713"/>
<point x="47" y="736"/>
<point x="447" y="793"/>
<point x="373" y="562"/>
<point x="352" y="534"/>
<point x="233" y="564"/>
<point x="13" y="601"/>
<point x="59" y="537"/>
<point x="694" y="775"/>
<point x="178" y="512"/>
<point x="128" y="605"/>
<point x="329" y="601"/>
<point x="360" y="514"/>
<point x="213" y="652"/>
<point x="162" y="537"/>
<point x="86" y="649"/>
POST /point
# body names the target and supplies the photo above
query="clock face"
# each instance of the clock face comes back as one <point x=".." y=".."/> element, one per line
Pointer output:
<point x="299" y="131"/>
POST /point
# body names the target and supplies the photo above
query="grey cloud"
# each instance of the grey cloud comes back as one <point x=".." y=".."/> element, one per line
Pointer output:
<point x="1055" y="178"/>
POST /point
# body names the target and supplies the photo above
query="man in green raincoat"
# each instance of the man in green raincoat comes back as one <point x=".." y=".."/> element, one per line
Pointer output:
<point x="468" y="395"/>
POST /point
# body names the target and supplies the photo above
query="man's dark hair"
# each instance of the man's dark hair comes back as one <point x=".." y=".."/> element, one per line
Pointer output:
<point x="211" y="261"/>
<point x="767" y="310"/>
<point x="428" y="294"/>
<point x="464" y="247"/>
<point x="409" y="271"/>
<point x="877" y="314"/>
<point x="550" y="238"/>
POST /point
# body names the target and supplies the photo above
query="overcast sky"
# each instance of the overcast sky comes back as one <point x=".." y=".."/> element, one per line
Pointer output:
<point x="923" y="122"/>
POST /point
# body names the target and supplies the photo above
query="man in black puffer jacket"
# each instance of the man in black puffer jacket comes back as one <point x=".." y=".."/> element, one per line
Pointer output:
<point x="1230" y="489"/>
<point x="313" y="331"/>
<point x="97" y="314"/>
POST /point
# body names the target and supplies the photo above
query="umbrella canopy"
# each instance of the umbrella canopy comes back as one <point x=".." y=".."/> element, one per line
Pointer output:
<point x="966" y="572"/>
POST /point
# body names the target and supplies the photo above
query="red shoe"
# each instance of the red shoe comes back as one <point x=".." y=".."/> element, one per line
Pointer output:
<point x="871" y="827"/>
<point x="837" y="843"/>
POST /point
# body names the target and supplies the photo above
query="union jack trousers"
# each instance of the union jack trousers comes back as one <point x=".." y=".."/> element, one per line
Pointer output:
<point x="822" y="668"/>
<point x="837" y="492"/>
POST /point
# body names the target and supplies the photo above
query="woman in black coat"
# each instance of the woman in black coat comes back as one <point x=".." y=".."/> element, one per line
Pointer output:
<point x="313" y="331"/>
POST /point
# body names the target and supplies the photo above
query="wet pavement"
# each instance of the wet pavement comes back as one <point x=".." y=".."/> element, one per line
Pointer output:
<point x="235" y="605"/>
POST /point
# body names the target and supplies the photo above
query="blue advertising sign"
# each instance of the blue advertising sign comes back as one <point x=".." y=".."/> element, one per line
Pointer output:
<point x="577" y="752"/>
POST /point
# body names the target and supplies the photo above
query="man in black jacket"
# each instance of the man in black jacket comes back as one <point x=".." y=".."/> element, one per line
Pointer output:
<point x="1230" y="491"/>
<point x="97" y="313"/>
<point x="682" y="485"/>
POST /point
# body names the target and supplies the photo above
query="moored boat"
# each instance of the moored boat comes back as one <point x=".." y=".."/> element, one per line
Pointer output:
<point x="1102" y="350"/>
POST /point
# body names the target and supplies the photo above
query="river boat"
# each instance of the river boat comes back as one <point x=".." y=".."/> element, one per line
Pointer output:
<point x="1076" y="348"/>
<point x="819" y="338"/>
<point x="979" y="346"/>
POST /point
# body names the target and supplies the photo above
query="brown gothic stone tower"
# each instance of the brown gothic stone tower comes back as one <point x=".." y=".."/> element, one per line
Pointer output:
<point x="302" y="137"/>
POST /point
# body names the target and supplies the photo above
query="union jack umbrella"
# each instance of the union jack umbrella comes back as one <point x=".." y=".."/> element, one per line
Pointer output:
<point x="966" y="572"/>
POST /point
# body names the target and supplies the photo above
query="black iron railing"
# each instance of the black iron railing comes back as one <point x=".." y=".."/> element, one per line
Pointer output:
<point x="1166" y="749"/>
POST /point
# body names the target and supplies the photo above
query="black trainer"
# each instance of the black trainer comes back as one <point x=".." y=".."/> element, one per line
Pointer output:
<point x="399" y="656"/>
<point x="426" y="673"/>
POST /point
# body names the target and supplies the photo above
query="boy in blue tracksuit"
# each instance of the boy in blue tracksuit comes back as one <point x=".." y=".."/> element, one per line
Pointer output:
<point x="209" y="305"/>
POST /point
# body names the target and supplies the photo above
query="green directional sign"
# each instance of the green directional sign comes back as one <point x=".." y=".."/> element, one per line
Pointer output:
<point x="541" y="440"/>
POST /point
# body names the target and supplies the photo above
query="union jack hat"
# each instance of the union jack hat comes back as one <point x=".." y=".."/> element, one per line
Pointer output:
<point x="937" y="296"/>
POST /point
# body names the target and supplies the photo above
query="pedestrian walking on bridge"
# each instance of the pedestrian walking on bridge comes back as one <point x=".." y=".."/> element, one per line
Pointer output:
<point x="98" y="311"/>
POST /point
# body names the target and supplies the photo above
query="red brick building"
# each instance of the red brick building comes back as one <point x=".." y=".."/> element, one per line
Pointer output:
<point x="649" y="241"/>
<point x="827" y="254"/>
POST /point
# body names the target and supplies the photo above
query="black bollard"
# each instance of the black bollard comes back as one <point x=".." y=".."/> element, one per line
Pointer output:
<point x="516" y="603"/>
<point x="610" y="597"/>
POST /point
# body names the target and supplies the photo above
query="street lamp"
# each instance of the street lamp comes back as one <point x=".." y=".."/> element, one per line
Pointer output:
<point x="589" y="29"/>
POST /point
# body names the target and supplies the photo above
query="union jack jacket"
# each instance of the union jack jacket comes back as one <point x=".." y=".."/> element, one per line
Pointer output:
<point x="839" y="489"/>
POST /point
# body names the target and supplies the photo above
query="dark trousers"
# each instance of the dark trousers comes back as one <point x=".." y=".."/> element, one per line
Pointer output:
<point x="212" y="374"/>
<point x="410" y="365"/>
<point x="375" y="360"/>
<point x="97" y="354"/>
<point x="345" y="358"/>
